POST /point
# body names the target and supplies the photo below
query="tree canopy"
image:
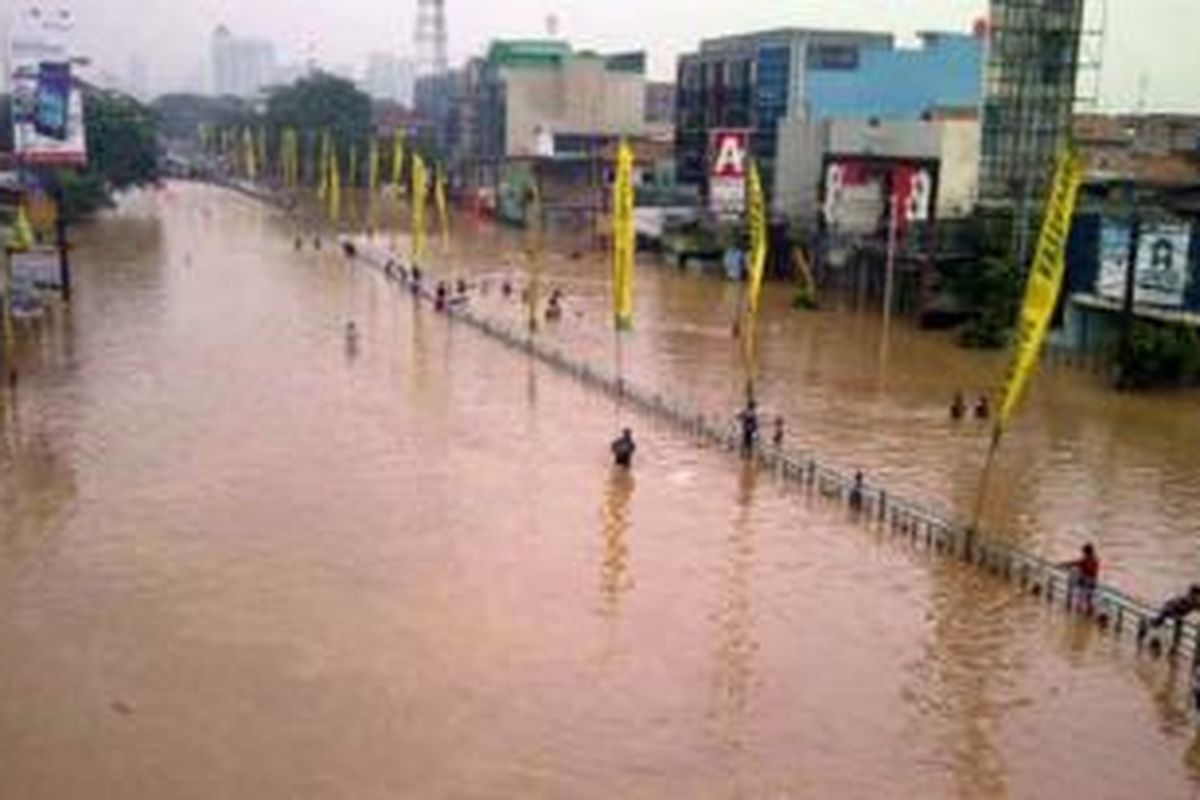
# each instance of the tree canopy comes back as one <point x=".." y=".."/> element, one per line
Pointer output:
<point x="322" y="102"/>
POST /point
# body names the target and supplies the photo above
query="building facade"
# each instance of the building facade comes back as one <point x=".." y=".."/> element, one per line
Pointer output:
<point x="1029" y="96"/>
<point x="755" y="81"/>
<point x="388" y="77"/>
<point x="242" y="66"/>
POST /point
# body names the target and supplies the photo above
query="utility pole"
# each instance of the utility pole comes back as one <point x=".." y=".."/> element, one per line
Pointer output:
<point x="1127" y="306"/>
<point x="64" y="247"/>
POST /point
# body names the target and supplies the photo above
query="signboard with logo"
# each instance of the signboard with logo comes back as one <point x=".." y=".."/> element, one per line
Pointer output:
<point x="856" y="192"/>
<point x="1161" y="269"/>
<point x="728" y="161"/>
<point x="47" y="107"/>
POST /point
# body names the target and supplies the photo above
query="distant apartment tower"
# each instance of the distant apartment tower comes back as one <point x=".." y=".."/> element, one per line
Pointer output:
<point x="755" y="81"/>
<point x="389" y="78"/>
<point x="242" y="66"/>
<point x="431" y="37"/>
<point x="1029" y="96"/>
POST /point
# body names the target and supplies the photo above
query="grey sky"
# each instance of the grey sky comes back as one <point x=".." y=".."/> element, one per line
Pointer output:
<point x="1149" y="41"/>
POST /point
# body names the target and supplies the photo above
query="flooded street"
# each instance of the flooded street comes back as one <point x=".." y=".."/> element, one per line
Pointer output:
<point x="240" y="559"/>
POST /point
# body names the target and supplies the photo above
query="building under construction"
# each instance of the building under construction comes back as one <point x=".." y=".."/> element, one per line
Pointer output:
<point x="1030" y="89"/>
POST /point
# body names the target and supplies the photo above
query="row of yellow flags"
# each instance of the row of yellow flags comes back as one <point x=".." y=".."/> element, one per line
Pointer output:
<point x="1041" y="294"/>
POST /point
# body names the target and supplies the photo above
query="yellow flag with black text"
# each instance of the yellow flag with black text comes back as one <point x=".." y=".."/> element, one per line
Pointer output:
<point x="1043" y="285"/>
<point x="624" y="239"/>
<point x="756" y="257"/>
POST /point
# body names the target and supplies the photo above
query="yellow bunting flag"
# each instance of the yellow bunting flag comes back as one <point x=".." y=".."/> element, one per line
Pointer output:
<point x="443" y="207"/>
<point x="756" y="258"/>
<point x="1043" y="285"/>
<point x="372" y="180"/>
<point x="624" y="239"/>
<point x="334" y="193"/>
<point x="248" y="154"/>
<point x="397" y="159"/>
<point x="20" y="238"/>
<point x="420" y="183"/>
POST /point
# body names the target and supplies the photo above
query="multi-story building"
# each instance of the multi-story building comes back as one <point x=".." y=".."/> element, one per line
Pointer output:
<point x="1029" y="96"/>
<point x="389" y="78"/>
<point x="242" y="66"/>
<point x="754" y="81"/>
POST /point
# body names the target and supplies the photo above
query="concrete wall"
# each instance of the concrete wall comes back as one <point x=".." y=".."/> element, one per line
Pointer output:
<point x="581" y="97"/>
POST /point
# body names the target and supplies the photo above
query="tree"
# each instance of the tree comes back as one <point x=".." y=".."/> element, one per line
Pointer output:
<point x="180" y="115"/>
<point x="122" y="150"/>
<point x="122" y="142"/>
<point x="323" y="102"/>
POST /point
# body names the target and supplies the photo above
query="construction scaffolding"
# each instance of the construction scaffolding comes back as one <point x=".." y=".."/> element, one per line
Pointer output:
<point x="430" y="37"/>
<point x="1035" y="60"/>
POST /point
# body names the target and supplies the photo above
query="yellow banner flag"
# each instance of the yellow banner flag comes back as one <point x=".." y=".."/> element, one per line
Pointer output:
<point x="372" y="180"/>
<point x="624" y="239"/>
<point x="335" y="188"/>
<point x="1043" y="285"/>
<point x="248" y="147"/>
<point x="397" y="159"/>
<point x="420" y="185"/>
<point x="756" y="258"/>
<point x="20" y="238"/>
<point x="443" y="208"/>
<point x="323" y="165"/>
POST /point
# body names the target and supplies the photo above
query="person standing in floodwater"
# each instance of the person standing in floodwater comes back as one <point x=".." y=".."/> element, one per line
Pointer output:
<point x="777" y="436"/>
<point x="623" y="448"/>
<point x="856" y="492"/>
<point x="748" y="420"/>
<point x="958" y="406"/>
<point x="983" y="408"/>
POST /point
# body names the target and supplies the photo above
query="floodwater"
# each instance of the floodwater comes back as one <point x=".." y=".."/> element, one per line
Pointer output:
<point x="1080" y="463"/>
<point x="240" y="558"/>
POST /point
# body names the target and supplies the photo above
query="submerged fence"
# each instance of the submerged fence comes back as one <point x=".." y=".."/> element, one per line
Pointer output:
<point x="873" y="506"/>
<point x="920" y="526"/>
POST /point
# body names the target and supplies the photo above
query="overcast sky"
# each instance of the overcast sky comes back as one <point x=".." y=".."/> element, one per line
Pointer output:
<point x="1151" y="45"/>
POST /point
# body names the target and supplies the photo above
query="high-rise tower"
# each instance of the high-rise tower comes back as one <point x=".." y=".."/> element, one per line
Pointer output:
<point x="431" y="37"/>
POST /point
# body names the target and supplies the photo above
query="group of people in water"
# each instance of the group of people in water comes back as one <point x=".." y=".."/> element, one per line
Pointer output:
<point x="958" y="407"/>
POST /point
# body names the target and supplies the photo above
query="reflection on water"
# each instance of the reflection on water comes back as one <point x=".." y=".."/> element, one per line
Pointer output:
<point x="234" y="562"/>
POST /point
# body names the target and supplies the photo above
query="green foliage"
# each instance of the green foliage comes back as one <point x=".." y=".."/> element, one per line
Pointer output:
<point x="991" y="289"/>
<point x="987" y="289"/>
<point x="180" y="115"/>
<point x="323" y="102"/>
<point x="1158" y="356"/>
<point x="122" y="142"/>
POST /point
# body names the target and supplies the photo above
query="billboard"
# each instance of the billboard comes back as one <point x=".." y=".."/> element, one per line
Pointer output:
<point x="1161" y="268"/>
<point x="47" y="107"/>
<point x="858" y="190"/>
<point x="728" y="161"/>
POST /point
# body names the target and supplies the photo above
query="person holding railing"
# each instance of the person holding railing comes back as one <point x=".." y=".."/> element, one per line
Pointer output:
<point x="1175" y="609"/>
<point x="1085" y="575"/>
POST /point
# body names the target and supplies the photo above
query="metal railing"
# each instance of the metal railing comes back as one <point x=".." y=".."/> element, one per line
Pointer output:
<point x="874" y="507"/>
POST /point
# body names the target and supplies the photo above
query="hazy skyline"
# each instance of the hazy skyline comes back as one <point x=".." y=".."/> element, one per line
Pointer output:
<point x="1149" y="44"/>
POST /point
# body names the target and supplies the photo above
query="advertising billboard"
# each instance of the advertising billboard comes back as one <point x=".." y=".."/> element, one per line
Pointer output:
<point x="47" y="107"/>
<point x="728" y="160"/>
<point x="1161" y="269"/>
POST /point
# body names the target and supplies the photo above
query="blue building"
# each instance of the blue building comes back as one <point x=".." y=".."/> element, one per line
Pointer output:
<point x="753" y="81"/>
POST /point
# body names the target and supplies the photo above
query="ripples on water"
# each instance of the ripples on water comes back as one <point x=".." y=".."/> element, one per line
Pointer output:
<point x="236" y="561"/>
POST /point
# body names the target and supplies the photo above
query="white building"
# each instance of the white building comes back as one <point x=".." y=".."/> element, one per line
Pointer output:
<point x="389" y="78"/>
<point x="242" y="66"/>
<point x="953" y="142"/>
